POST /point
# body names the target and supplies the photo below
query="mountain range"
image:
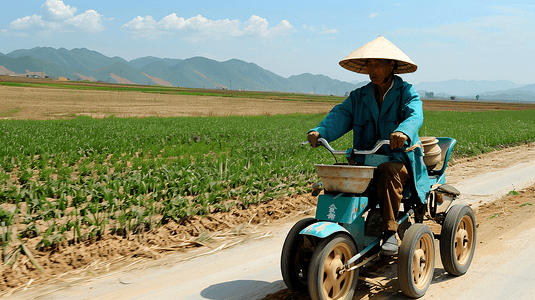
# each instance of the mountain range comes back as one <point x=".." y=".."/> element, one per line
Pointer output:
<point x="195" y="72"/>
<point x="235" y="74"/>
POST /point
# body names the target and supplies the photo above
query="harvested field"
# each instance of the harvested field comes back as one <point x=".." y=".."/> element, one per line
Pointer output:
<point x="47" y="103"/>
<point x="42" y="103"/>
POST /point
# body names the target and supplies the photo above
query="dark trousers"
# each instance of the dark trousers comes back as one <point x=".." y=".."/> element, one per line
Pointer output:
<point x="390" y="178"/>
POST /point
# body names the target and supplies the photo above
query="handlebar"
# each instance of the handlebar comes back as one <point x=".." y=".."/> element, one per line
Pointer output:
<point x="378" y="145"/>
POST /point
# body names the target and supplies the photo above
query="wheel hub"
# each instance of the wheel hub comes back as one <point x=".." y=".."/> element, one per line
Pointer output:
<point x="419" y="264"/>
<point x="463" y="238"/>
<point x="421" y="269"/>
<point x="335" y="282"/>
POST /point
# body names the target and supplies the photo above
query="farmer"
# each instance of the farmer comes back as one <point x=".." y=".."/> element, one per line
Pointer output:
<point x="385" y="109"/>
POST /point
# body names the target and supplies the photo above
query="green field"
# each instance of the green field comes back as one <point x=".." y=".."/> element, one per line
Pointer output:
<point x="87" y="177"/>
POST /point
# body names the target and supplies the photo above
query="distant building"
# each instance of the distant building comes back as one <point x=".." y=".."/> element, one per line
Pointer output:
<point x="62" y="79"/>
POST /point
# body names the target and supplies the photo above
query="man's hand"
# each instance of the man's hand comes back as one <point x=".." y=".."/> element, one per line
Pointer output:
<point x="397" y="139"/>
<point x="313" y="137"/>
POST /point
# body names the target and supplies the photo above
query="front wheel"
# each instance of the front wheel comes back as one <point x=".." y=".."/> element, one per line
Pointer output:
<point x="458" y="239"/>
<point x="324" y="280"/>
<point x="416" y="260"/>
<point x="296" y="254"/>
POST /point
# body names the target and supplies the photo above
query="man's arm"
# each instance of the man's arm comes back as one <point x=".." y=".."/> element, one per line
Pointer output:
<point x="338" y="122"/>
<point x="412" y="113"/>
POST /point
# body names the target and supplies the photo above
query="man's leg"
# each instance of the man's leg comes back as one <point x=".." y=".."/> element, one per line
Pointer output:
<point x="390" y="178"/>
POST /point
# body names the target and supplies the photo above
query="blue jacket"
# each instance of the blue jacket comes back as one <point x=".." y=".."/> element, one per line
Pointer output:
<point x="401" y="111"/>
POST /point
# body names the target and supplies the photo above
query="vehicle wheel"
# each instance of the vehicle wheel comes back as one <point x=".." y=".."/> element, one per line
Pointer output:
<point x="416" y="260"/>
<point x="458" y="239"/>
<point x="330" y="255"/>
<point x="296" y="254"/>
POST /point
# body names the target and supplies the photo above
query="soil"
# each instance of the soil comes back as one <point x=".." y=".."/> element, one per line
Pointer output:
<point x="71" y="262"/>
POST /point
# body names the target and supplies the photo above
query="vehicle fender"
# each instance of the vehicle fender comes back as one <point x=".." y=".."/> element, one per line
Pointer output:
<point x="323" y="229"/>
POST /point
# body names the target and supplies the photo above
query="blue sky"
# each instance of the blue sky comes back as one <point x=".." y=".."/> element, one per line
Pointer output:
<point x="470" y="40"/>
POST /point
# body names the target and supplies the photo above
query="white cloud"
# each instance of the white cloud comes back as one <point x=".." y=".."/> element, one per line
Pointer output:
<point x="143" y="27"/>
<point x="89" y="21"/>
<point x="140" y="23"/>
<point x="27" y="22"/>
<point x="199" y="28"/>
<point x="57" y="10"/>
<point x="373" y="15"/>
<point x="281" y="29"/>
<point x="63" y="20"/>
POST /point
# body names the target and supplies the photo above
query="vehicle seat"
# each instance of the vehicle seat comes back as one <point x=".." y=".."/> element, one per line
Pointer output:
<point x="436" y="175"/>
<point x="446" y="145"/>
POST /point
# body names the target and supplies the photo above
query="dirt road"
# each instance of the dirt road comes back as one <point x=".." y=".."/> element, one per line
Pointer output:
<point x="502" y="267"/>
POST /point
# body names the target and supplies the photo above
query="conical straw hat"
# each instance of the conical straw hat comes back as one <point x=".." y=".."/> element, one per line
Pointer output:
<point x="380" y="48"/>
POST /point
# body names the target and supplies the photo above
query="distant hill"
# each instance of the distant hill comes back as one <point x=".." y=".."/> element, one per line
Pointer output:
<point x="465" y="87"/>
<point x="529" y="88"/>
<point x="523" y="93"/>
<point x="122" y="70"/>
<point x="201" y="72"/>
<point x="498" y="90"/>
<point x="21" y="65"/>
<point x="1" y="54"/>
<point x="161" y="70"/>
<point x="321" y="84"/>
<point x="267" y="80"/>
<point x="141" y="62"/>
<point x="79" y="58"/>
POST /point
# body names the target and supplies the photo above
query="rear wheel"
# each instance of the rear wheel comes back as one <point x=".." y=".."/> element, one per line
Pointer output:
<point x="458" y="239"/>
<point x="416" y="260"/>
<point x="296" y="254"/>
<point x="324" y="280"/>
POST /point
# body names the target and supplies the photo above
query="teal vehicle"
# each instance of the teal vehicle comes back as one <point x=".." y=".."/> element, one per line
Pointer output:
<point x="323" y="254"/>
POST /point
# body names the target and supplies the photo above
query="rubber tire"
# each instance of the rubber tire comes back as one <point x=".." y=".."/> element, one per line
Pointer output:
<point x="289" y="263"/>
<point x="448" y="255"/>
<point x="406" y="264"/>
<point x="316" y="272"/>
